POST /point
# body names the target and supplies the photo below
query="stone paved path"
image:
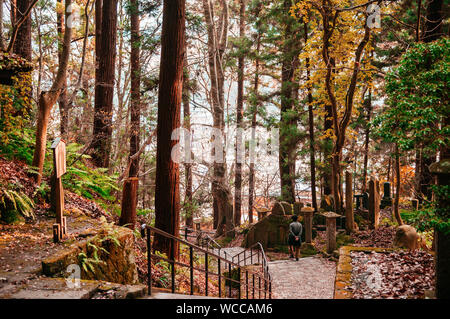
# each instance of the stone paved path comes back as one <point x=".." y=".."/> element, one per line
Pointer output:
<point x="308" y="278"/>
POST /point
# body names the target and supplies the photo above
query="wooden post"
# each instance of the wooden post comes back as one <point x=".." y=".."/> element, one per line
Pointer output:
<point x="59" y="164"/>
<point x="129" y="201"/>
<point x="349" y="218"/>
<point x="331" y="230"/>
<point x="308" y="213"/>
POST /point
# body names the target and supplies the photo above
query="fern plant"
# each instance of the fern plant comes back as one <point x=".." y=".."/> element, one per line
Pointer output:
<point x="13" y="202"/>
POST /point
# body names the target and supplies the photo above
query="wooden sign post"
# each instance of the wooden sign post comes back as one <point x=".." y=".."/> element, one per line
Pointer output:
<point x="59" y="165"/>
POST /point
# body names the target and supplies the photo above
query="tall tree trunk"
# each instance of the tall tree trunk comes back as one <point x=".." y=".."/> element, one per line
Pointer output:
<point x="167" y="195"/>
<point x="22" y="45"/>
<point x="340" y="123"/>
<point x="62" y="101"/>
<point x="288" y="122"/>
<point x="187" y="125"/>
<point x="433" y="31"/>
<point x="49" y="98"/>
<point x="239" y="116"/>
<point x="368" y="103"/>
<point x="312" y="153"/>
<point x="131" y="185"/>
<point x="434" y="19"/>
<point x="251" y="180"/>
<point x="135" y="104"/>
<point x="217" y="40"/>
<point x="104" y="88"/>
<point x="397" y="187"/>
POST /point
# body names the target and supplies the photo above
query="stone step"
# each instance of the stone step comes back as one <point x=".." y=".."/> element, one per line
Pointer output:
<point x="160" y="293"/>
<point x="58" y="288"/>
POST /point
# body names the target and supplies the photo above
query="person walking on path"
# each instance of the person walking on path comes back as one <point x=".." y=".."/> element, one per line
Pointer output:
<point x="294" y="238"/>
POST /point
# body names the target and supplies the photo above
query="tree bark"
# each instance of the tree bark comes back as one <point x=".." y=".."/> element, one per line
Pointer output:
<point x="217" y="40"/>
<point x="251" y="180"/>
<point x="367" y="140"/>
<point x="288" y="122"/>
<point x="397" y="215"/>
<point x="239" y="126"/>
<point x="135" y="104"/>
<point x="167" y="195"/>
<point x="22" y="45"/>
<point x="340" y="124"/>
<point x="312" y="152"/>
<point x="128" y="207"/>
<point x="131" y="185"/>
<point x="104" y="88"/>
<point x="48" y="99"/>
<point x="434" y="21"/>
<point x="62" y="101"/>
<point x="187" y="125"/>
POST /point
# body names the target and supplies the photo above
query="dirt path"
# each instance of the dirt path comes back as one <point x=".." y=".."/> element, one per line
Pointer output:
<point x="308" y="278"/>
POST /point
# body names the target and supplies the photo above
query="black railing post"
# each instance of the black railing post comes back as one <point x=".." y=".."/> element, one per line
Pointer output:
<point x="206" y="274"/>
<point x="253" y="286"/>
<point x="149" y="262"/>
<point x="265" y="288"/>
<point x="246" y="284"/>
<point x="259" y="287"/>
<point x="270" y="290"/>
<point x="186" y="233"/>
<point x="239" y="275"/>
<point x="191" y="267"/>
<point x="220" y="278"/>
<point x="173" y="265"/>
<point x="231" y="278"/>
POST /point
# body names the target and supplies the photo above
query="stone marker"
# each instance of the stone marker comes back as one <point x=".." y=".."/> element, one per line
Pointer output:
<point x="59" y="169"/>
<point x="387" y="199"/>
<point x="331" y="230"/>
<point x="374" y="208"/>
<point x="262" y="212"/>
<point x="308" y="213"/>
<point x="282" y="208"/>
<point x="365" y="200"/>
<point x="349" y="218"/>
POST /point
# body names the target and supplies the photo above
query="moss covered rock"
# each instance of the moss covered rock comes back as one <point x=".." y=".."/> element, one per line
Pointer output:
<point x="107" y="256"/>
<point x="270" y="231"/>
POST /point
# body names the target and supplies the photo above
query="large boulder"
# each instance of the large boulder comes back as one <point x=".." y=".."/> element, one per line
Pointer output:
<point x="407" y="237"/>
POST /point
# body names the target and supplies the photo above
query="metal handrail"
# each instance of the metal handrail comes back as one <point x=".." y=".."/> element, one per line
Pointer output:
<point x="147" y="231"/>
<point x="265" y="264"/>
